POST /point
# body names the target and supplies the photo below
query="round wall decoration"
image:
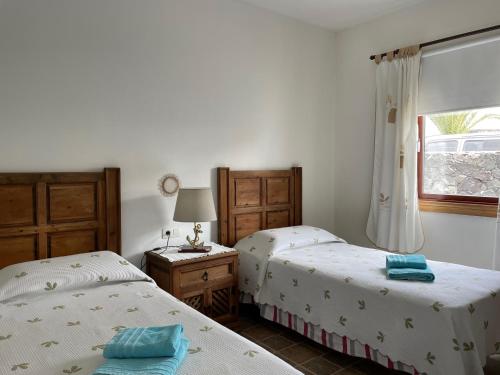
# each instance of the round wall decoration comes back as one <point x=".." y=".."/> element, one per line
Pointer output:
<point x="169" y="185"/>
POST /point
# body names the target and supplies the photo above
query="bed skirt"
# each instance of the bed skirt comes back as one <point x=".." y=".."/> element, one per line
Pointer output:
<point x="331" y="340"/>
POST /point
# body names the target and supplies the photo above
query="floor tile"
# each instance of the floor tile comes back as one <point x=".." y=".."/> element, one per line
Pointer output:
<point x="321" y="366"/>
<point x="242" y="324"/>
<point x="277" y="342"/>
<point x="340" y="359"/>
<point x="300" y="353"/>
<point x="293" y="336"/>
<point x="259" y="332"/>
<point x="304" y="370"/>
<point x="304" y="354"/>
<point x="347" y="371"/>
<point x="287" y="360"/>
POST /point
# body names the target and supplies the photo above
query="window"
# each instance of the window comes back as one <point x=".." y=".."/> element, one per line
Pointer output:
<point x="483" y="145"/>
<point x="459" y="159"/>
<point x="441" y="146"/>
<point x="459" y="153"/>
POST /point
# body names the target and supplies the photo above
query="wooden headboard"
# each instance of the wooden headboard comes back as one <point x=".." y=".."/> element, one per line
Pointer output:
<point x="45" y="215"/>
<point x="249" y="201"/>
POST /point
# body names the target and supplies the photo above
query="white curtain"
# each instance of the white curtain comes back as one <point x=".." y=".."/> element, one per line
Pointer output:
<point x="394" y="220"/>
<point x="496" y="250"/>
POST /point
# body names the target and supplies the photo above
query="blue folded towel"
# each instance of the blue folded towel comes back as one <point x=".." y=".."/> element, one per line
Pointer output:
<point x="411" y="274"/>
<point x="150" y="366"/>
<point x="145" y="342"/>
<point x="405" y="261"/>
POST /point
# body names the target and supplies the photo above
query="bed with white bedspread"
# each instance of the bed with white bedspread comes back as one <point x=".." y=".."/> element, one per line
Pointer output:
<point x="57" y="314"/>
<point x="338" y="294"/>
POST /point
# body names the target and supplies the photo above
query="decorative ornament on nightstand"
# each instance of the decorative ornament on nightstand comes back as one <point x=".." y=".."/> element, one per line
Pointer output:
<point x="195" y="205"/>
<point x="169" y="185"/>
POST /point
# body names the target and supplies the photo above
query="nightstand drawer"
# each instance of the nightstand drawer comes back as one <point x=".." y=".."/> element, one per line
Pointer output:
<point x="207" y="283"/>
<point x="204" y="275"/>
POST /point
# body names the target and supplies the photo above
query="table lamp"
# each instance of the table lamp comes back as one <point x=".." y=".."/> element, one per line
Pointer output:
<point x="195" y="205"/>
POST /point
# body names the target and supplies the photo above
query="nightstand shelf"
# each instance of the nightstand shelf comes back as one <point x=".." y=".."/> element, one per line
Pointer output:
<point x="206" y="282"/>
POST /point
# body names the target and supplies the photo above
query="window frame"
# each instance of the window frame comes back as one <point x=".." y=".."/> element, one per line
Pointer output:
<point x="456" y="204"/>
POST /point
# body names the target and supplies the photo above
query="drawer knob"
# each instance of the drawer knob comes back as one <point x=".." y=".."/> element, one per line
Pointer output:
<point x="205" y="276"/>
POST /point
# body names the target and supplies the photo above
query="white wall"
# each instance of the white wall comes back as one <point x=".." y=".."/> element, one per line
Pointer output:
<point x="454" y="238"/>
<point x="184" y="86"/>
<point x="158" y="86"/>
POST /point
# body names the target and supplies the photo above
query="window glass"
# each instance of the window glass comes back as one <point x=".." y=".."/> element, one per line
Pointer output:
<point x="483" y="145"/>
<point x="441" y="146"/>
<point x="461" y="154"/>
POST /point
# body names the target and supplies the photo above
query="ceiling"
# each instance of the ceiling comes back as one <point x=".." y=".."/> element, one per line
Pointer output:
<point x="334" y="14"/>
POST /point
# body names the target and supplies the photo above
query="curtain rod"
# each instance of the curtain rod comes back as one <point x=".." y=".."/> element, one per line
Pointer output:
<point x="447" y="39"/>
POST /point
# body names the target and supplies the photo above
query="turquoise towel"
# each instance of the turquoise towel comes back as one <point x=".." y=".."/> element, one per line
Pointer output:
<point x="144" y="342"/>
<point x="411" y="274"/>
<point x="149" y="366"/>
<point x="405" y="261"/>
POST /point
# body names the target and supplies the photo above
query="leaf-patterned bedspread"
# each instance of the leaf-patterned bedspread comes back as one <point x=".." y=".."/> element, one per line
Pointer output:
<point x="446" y="327"/>
<point x="56" y="315"/>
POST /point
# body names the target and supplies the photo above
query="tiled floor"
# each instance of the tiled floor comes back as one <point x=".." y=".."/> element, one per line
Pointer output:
<point x="310" y="357"/>
<point x="304" y="354"/>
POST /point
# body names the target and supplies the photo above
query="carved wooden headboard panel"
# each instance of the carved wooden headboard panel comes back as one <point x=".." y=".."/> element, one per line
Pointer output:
<point x="249" y="201"/>
<point x="45" y="215"/>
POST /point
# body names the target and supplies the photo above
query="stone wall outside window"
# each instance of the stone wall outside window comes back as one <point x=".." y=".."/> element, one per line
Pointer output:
<point x="452" y="173"/>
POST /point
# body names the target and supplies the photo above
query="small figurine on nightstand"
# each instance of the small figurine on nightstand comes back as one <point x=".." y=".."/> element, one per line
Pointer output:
<point x="195" y="205"/>
<point x="194" y="243"/>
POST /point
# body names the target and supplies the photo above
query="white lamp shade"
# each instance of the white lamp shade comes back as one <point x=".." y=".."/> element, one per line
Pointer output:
<point x="195" y="205"/>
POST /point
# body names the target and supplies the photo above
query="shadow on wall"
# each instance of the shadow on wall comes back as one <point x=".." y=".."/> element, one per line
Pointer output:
<point x="142" y="219"/>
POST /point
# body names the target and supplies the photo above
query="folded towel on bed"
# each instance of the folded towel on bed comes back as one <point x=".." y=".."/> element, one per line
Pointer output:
<point x="150" y="366"/>
<point x="411" y="274"/>
<point x="145" y="342"/>
<point x="405" y="261"/>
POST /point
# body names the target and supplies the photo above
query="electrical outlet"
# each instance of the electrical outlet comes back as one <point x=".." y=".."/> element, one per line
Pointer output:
<point x="166" y="231"/>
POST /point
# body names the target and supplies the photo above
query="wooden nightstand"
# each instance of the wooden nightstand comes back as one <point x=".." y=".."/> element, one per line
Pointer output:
<point x="206" y="282"/>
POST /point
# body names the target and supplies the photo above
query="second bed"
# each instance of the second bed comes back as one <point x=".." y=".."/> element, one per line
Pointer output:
<point x="338" y="294"/>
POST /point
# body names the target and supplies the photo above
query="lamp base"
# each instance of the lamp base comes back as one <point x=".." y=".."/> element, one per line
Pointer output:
<point x="190" y="249"/>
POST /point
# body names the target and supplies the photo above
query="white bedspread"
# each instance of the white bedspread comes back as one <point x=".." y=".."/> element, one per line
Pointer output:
<point x="446" y="327"/>
<point x="56" y="315"/>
